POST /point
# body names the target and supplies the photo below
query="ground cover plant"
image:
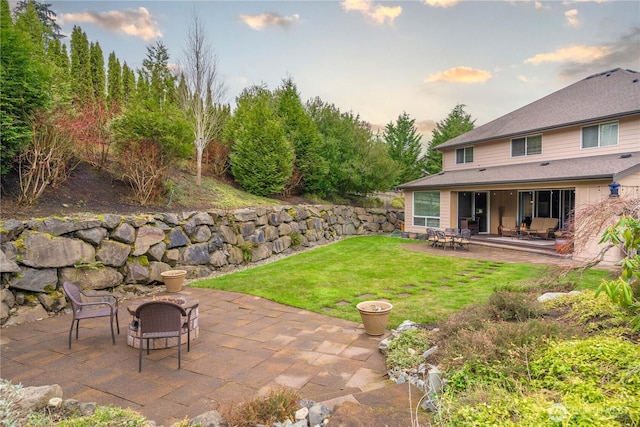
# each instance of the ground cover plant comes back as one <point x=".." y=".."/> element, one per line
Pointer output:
<point x="557" y="369"/>
<point x="423" y="288"/>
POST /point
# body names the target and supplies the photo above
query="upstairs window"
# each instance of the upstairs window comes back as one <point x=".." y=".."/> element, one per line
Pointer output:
<point x="464" y="155"/>
<point x="527" y="146"/>
<point x="604" y="135"/>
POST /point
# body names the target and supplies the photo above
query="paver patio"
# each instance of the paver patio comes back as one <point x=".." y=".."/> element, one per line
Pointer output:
<point x="247" y="345"/>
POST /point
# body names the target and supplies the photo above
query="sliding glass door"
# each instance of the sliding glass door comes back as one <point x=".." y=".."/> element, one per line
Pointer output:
<point x="474" y="205"/>
<point x="546" y="204"/>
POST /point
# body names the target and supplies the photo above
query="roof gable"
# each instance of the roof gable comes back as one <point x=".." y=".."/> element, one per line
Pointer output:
<point x="607" y="95"/>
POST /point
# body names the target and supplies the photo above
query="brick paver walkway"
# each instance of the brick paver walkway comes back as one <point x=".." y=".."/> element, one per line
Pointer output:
<point x="247" y="345"/>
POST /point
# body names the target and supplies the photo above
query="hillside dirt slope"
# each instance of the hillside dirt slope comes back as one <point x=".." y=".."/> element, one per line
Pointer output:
<point x="91" y="190"/>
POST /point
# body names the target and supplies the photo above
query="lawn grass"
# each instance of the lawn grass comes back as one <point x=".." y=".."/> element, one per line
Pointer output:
<point x="423" y="288"/>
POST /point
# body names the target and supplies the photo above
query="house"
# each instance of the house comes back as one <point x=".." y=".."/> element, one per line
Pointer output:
<point x="545" y="159"/>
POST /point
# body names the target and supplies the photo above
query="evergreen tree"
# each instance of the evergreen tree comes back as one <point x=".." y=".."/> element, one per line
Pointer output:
<point x="142" y="87"/>
<point x="310" y="168"/>
<point x="456" y="123"/>
<point x="24" y="84"/>
<point x="57" y="54"/>
<point x="155" y="68"/>
<point x="59" y="63"/>
<point x="98" y="76"/>
<point x="28" y="22"/>
<point x="128" y="84"/>
<point x="358" y="162"/>
<point x="81" y="82"/>
<point x="45" y="15"/>
<point x="114" y="85"/>
<point x="403" y="144"/>
<point x="262" y="157"/>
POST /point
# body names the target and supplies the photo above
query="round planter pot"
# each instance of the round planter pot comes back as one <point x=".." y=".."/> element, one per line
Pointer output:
<point x="174" y="279"/>
<point x="375" y="316"/>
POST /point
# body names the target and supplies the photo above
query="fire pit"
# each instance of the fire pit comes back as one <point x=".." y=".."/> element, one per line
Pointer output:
<point x="189" y="304"/>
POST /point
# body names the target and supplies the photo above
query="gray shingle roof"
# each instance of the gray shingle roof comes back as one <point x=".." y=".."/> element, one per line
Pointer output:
<point x="612" y="166"/>
<point x="603" y="96"/>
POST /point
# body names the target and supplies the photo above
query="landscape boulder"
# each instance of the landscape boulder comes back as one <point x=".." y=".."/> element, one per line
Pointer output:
<point x="43" y="251"/>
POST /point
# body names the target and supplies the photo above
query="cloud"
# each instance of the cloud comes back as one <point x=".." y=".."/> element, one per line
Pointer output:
<point x="268" y="19"/>
<point x="568" y="2"/>
<point x="133" y="22"/>
<point x="379" y="14"/>
<point x="621" y="53"/>
<point x="441" y="3"/>
<point x="459" y="75"/>
<point x="575" y="53"/>
<point x="425" y="127"/>
<point x="572" y="18"/>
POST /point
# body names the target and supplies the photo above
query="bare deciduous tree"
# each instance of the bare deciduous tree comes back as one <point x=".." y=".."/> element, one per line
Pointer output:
<point x="201" y="89"/>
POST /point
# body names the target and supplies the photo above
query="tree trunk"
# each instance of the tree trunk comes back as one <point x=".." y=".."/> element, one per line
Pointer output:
<point x="199" y="165"/>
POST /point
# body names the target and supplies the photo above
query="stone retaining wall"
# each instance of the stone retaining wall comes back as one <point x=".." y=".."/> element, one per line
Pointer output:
<point x="106" y="251"/>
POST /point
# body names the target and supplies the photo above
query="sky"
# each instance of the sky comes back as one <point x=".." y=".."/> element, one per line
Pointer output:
<point x="377" y="58"/>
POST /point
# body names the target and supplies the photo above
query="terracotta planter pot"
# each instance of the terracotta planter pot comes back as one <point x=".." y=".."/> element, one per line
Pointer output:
<point x="375" y="316"/>
<point x="174" y="279"/>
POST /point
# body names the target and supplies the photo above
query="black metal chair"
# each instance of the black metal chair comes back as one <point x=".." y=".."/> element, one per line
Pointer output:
<point x="443" y="239"/>
<point x="88" y="306"/>
<point x="462" y="240"/>
<point x="162" y="319"/>
<point x="431" y="236"/>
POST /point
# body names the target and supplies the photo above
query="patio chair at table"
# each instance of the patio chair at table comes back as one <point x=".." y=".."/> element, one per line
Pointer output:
<point x="88" y="306"/>
<point x="431" y="236"/>
<point x="162" y="319"/>
<point x="463" y="239"/>
<point x="443" y="240"/>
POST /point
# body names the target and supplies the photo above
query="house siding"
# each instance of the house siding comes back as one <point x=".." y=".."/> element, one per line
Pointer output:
<point x="556" y="145"/>
<point x="593" y="193"/>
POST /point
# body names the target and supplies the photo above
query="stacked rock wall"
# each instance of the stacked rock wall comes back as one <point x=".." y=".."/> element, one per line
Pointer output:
<point x="105" y="251"/>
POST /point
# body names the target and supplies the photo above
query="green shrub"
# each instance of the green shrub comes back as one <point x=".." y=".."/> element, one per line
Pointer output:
<point x="397" y="203"/>
<point x="247" y="251"/>
<point x="511" y="306"/>
<point x="592" y="382"/>
<point x="296" y="240"/>
<point x="494" y="353"/>
<point x="372" y="202"/>
<point x="106" y="416"/>
<point x="278" y="405"/>
<point x="594" y="314"/>
<point x="406" y="350"/>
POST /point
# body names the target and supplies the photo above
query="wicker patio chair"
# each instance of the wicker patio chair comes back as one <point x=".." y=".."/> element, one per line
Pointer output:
<point x="161" y="319"/>
<point x="541" y="227"/>
<point x="88" y="306"/>
<point x="509" y="228"/>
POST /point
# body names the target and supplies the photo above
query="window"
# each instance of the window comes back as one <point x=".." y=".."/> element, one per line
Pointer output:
<point x="527" y="146"/>
<point x="464" y="155"/>
<point x="426" y="208"/>
<point x="604" y="135"/>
